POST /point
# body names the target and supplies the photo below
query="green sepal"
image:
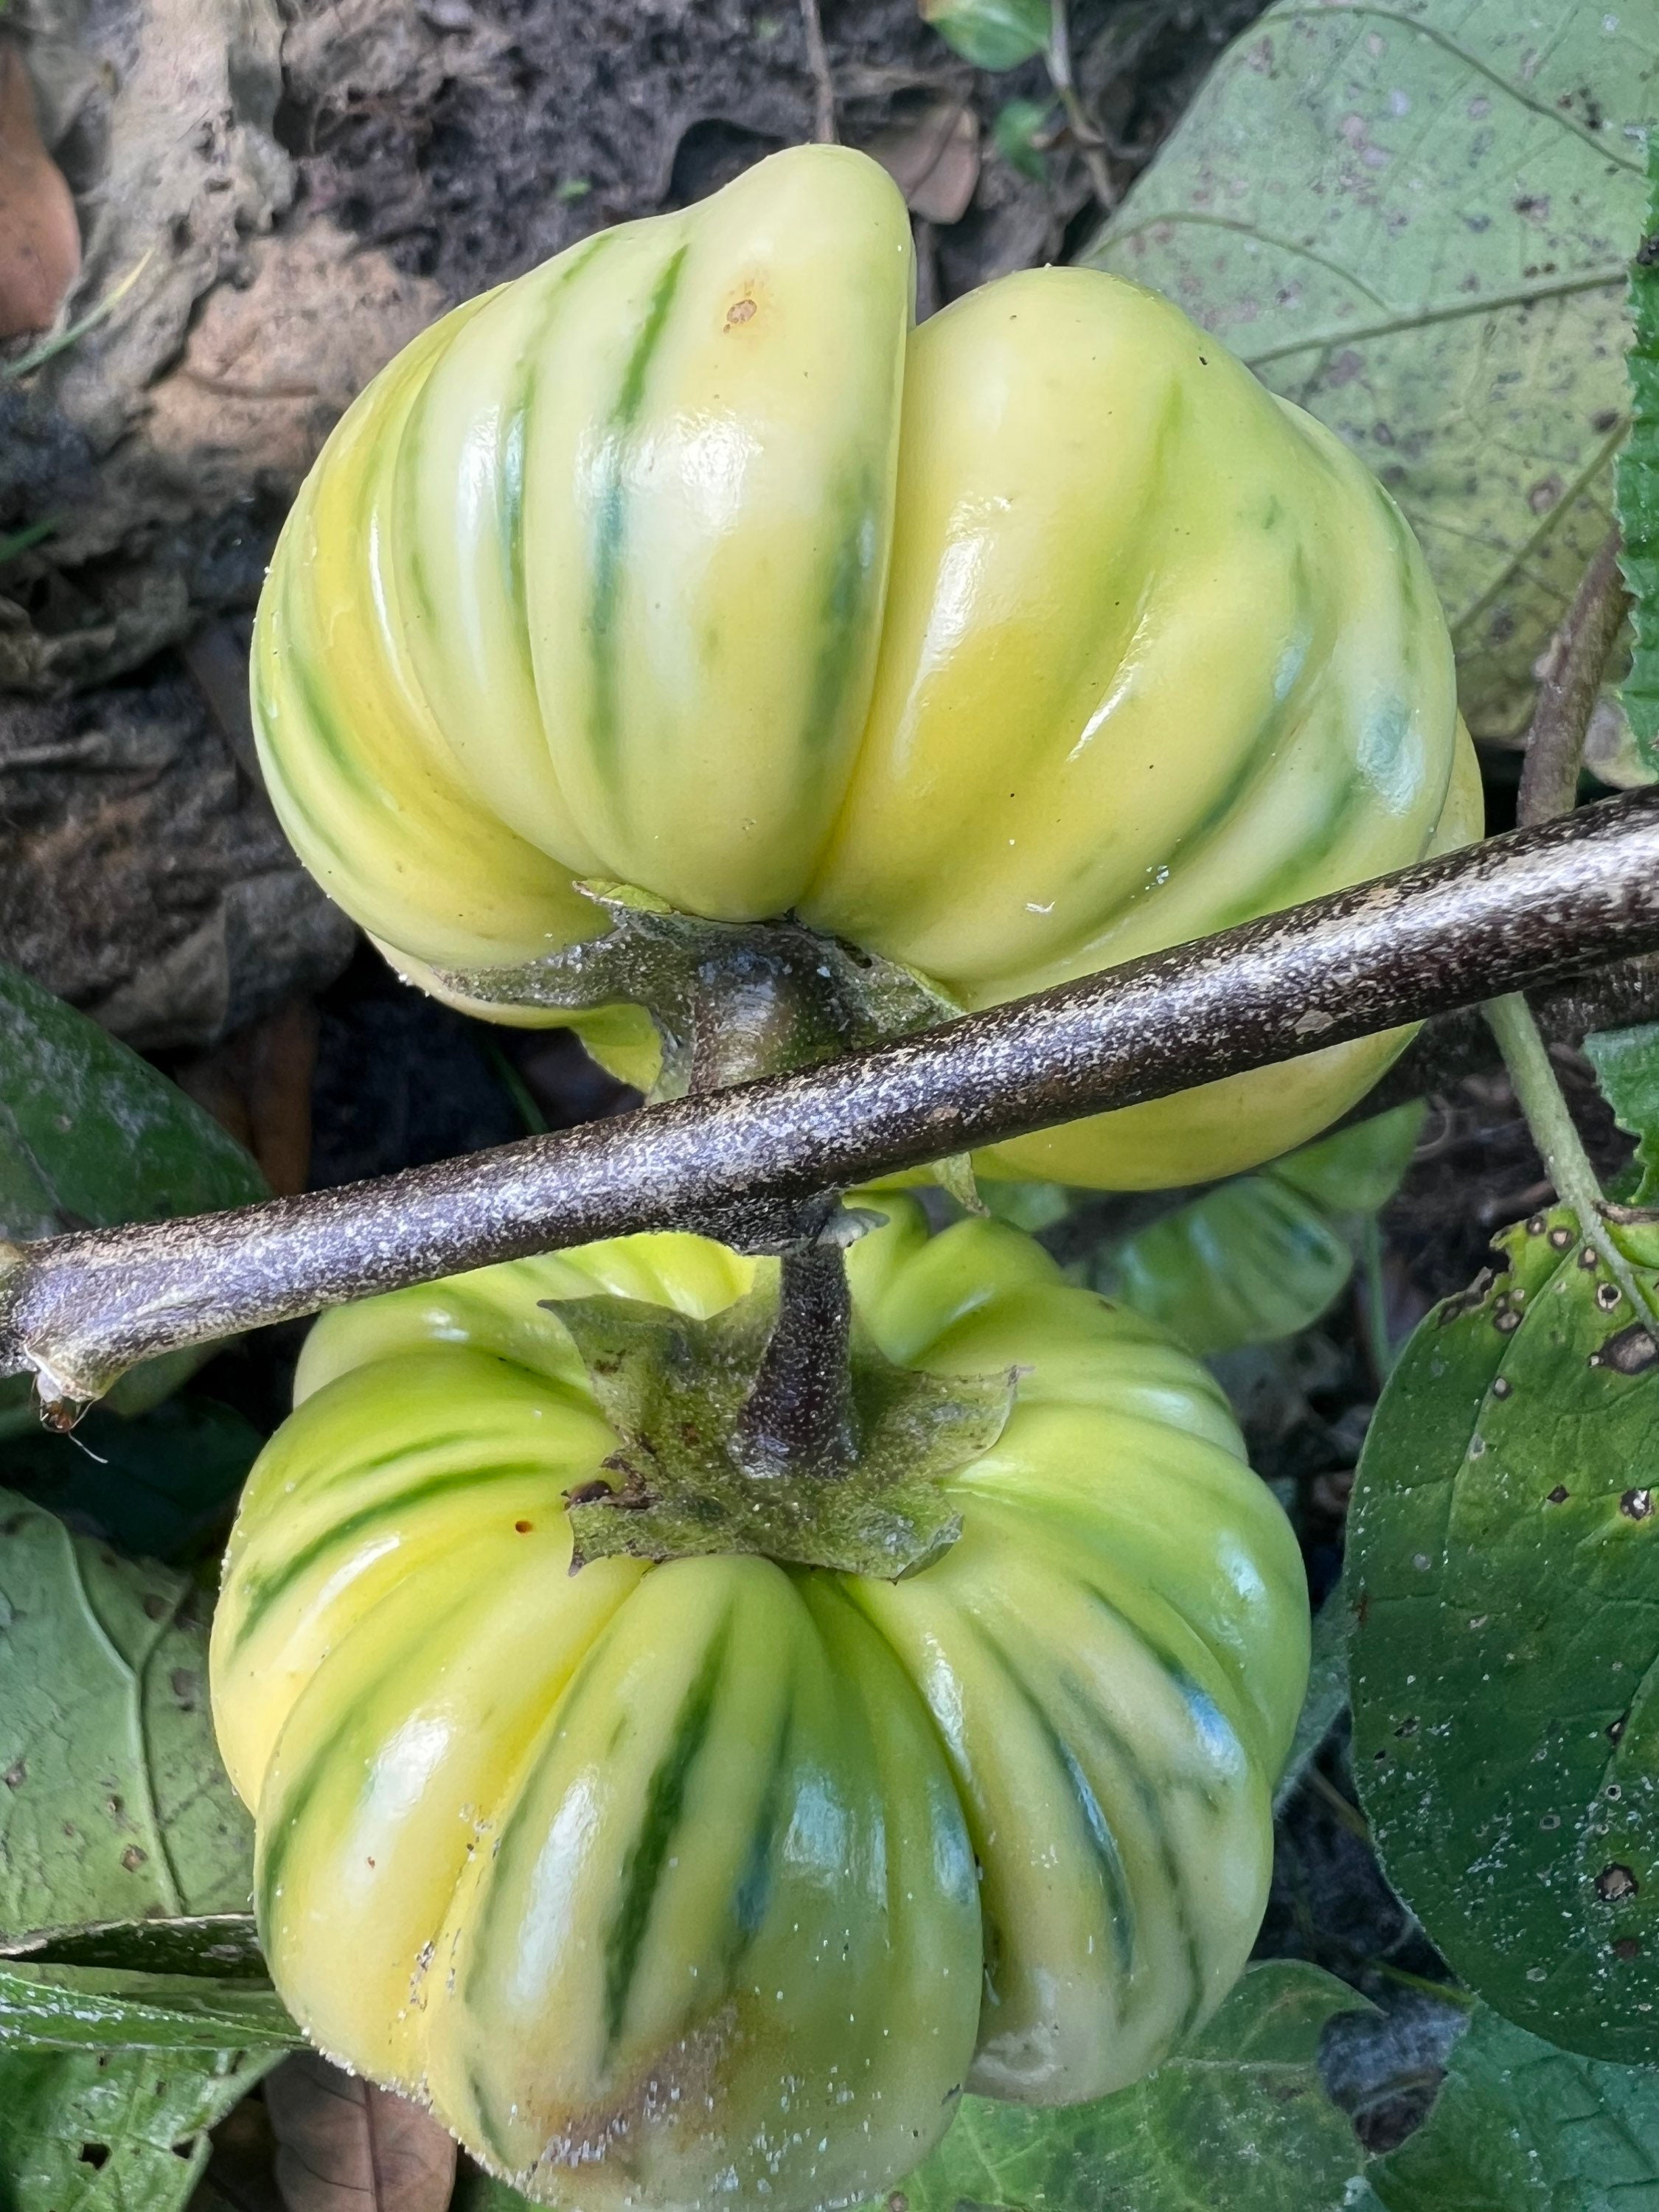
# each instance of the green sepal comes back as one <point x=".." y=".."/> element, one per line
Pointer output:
<point x="730" y="1001"/>
<point x="673" y="1389"/>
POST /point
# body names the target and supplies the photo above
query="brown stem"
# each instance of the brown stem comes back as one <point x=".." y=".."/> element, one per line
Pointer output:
<point x="1528" y="907"/>
<point x="798" y="1416"/>
<point x="1569" y="689"/>
<point x="1567" y="694"/>
<point x="1453" y="1045"/>
<point x="1086" y="134"/>
<point x="823" y="82"/>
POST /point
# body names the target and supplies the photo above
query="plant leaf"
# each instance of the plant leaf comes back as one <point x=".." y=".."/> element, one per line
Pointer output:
<point x="97" y="2008"/>
<point x="1627" y="1064"/>
<point x="993" y="34"/>
<point x="221" y="1945"/>
<point x="1238" y="2118"/>
<point x="1523" y="2126"/>
<point x="1262" y="1256"/>
<point x="114" y="1803"/>
<point x="40" y="237"/>
<point x="1415" y="221"/>
<point x="932" y="156"/>
<point x="1639" y="483"/>
<point x="344" y="2144"/>
<point x="1019" y="125"/>
<point x="119" y="2131"/>
<point x="157" y="1484"/>
<point x="91" y="1135"/>
<point x="1503" y="1561"/>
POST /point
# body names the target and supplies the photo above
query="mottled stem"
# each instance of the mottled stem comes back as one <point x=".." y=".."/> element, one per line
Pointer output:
<point x="1532" y="907"/>
<point x="799" y="1417"/>
<point x="1569" y="689"/>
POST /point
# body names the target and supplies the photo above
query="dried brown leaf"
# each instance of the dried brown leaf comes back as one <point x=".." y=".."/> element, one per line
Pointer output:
<point x="257" y="1084"/>
<point x="40" y="237"/>
<point x="933" y="159"/>
<point x="346" y="2145"/>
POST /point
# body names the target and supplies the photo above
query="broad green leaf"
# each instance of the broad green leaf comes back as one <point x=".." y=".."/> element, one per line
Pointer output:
<point x="1416" y="220"/>
<point x="1519" y="2126"/>
<point x="100" y="2009"/>
<point x="1503" y="1564"/>
<point x="157" y="1484"/>
<point x="91" y="1135"/>
<point x="1638" y="482"/>
<point x="993" y="34"/>
<point x="1627" y="1064"/>
<point x="114" y="1803"/>
<point x="1247" y="1262"/>
<point x="1238" y="2119"/>
<point x="1357" y="1171"/>
<point x="1260" y="1257"/>
<point x="119" y="2131"/>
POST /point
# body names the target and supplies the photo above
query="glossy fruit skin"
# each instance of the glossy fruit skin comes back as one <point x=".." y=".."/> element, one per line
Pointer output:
<point x="1007" y="648"/>
<point x="662" y="1883"/>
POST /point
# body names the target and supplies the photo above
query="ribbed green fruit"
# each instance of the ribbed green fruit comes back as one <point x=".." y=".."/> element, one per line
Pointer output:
<point x="716" y="1881"/>
<point x="1006" y="647"/>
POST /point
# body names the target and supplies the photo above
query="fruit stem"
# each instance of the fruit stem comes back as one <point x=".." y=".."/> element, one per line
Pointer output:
<point x="798" y="1418"/>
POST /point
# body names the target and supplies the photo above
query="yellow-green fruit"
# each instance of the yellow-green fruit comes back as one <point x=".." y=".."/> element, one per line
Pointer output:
<point x="1006" y="648"/>
<point x="714" y="1882"/>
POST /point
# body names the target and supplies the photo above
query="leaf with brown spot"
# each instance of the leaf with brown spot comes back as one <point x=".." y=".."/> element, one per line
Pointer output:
<point x="1507" y="1545"/>
<point x="40" y="237"/>
<point x="111" y="2131"/>
<point x="1519" y="2126"/>
<point x="120" y="1806"/>
<point x="347" y="2145"/>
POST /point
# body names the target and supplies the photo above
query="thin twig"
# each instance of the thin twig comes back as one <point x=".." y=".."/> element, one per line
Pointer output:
<point x="77" y="1310"/>
<point x="1086" y="134"/>
<point x="823" y="82"/>
<point x="1538" y="1092"/>
<point x="1549" y="789"/>
<point x="1569" y="689"/>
